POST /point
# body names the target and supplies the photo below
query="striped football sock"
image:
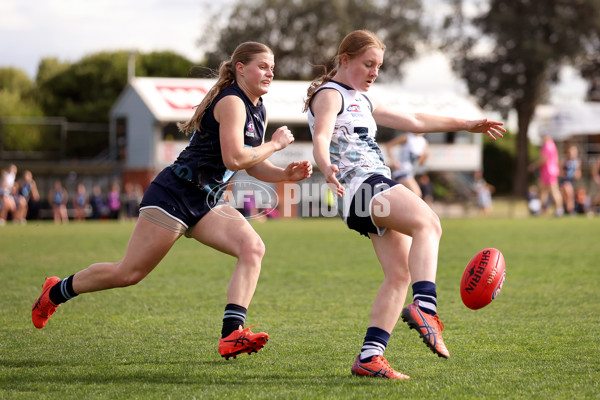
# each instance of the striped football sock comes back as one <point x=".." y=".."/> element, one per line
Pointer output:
<point x="375" y="342"/>
<point x="62" y="291"/>
<point x="424" y="292"/>
<point x="234" y="317"/>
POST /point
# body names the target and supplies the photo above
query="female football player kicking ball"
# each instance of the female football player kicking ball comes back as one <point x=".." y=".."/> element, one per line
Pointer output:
<point x="405" y="232"/>
<point x="227" y="135"/>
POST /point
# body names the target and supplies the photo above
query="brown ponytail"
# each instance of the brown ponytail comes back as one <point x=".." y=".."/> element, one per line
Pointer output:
<point x="319" y="81"/>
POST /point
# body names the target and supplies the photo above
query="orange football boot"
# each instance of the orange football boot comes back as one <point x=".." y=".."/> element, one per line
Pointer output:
<point x="429" y="327"/>
<point x="242" y="341"/>
<point x="43" y="307"/>
<point x="377" y="367"/>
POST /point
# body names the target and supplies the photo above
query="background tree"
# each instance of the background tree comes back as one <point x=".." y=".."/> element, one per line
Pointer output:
<point x="306" y="33"/>
<point x="17" y="99"/>
<point x="510" y="53"/>
<point x="589" y="66"/>
<point x="86" y="90"/>
<point x="163" y="64"/>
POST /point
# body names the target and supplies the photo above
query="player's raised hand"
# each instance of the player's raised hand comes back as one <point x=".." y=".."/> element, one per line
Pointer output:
<point x="282" y="138"/>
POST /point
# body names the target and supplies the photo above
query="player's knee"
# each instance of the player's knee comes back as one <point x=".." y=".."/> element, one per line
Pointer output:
<point x="400" y="277"/>
<point x="253" y="248"/>
<point x="431" y="223"/>
<point x="128" y="278"/>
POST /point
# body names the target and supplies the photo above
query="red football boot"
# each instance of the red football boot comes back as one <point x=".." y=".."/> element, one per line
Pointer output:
<point x="43" y="307"/>
<point x="242" y="341"/>
<point x="429" y="327"/>
<point x="377" y="367"/>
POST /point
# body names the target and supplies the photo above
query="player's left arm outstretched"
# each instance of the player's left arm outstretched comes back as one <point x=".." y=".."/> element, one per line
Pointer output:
<point x="427" y="123"/>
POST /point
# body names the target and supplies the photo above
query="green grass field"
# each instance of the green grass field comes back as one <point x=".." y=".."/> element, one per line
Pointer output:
<point x="158" y="340"/>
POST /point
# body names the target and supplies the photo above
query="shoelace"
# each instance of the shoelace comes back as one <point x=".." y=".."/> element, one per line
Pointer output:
<point x="384" y="361"/>
<point x="247" y="330"/>
<point x="440" y="323"/>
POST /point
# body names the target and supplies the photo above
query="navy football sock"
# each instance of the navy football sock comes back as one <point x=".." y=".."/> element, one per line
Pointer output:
<point x="374" y="344"/>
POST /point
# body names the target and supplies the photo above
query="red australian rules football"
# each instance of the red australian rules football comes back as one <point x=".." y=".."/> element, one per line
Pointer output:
<point x="483" y="278"/>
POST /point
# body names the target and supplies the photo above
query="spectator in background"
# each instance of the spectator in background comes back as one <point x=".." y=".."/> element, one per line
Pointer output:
<point x="28" y="189"/>
<point x="483" y="193"/>
<point x="570" y="172"/>
<point x="59" y="197"/>
<point x="534" y="204"/>
<point x="13" y="203"/>
<point x="549" y="172"/>
<point x="133" y="196"/>
<point x="7" y="201"/>
<point x="413" y="153"/>
<point x="80" y="202"/>
<point x="583" y="202"/>
<point x="596" y="177"/>
<point x="113" y="200"/>
<point x="97" y="203"/>
<point x="10" y="176"/>
<point x="19" y="215"/>
<point x="426" y="187"/>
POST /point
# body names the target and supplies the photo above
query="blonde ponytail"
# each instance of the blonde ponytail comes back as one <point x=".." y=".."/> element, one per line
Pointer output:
<point x="244" y="53"/>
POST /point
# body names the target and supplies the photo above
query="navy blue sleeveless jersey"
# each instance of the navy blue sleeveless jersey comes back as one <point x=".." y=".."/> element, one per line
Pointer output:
<point x="201" y="161"/>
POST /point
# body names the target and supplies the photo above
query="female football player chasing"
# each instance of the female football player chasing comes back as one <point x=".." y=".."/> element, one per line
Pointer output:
<point x="405" y="232"/>
<point x="227" y="135"/>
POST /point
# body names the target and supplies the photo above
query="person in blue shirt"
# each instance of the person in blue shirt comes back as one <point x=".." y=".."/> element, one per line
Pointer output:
<point x="227" y="135"/>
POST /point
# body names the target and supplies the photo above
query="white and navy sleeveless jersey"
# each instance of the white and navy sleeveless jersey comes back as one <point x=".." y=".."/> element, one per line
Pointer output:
<point x="201" y="162"/>
<point x="353" y="147"/>
<point x="410" y="153"/>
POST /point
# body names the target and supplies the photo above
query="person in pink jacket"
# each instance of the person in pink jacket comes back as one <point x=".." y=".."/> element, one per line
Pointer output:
<point x="549" y="172"/>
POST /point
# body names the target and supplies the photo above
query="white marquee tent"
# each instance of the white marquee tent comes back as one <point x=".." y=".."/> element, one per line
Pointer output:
<point x="566" y="120"/>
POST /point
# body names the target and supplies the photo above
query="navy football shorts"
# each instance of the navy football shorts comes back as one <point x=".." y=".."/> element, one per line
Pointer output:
<point x="359" y="215"/>
<point x="181" y="200"/>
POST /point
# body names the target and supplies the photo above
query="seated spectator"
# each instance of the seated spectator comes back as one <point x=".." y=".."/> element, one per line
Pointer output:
<point x="19" y="215"/>
<point x="7" y="202"/>
<point x="583" y="202"/>
<point x="8" y="205"/>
